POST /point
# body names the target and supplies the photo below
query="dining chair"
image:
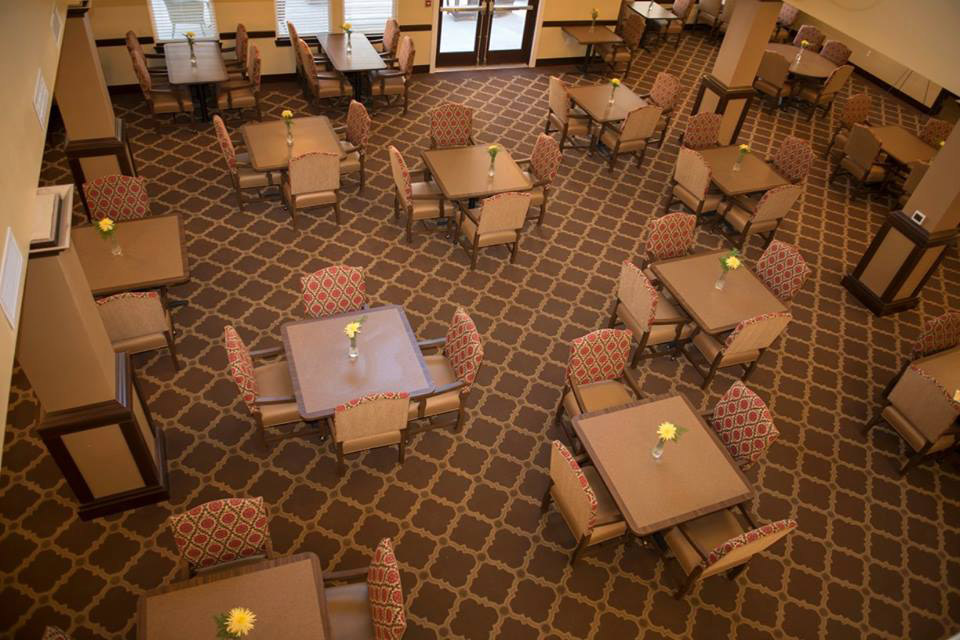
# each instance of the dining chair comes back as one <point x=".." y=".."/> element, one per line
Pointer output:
<point x="335" y="289"/>
<point x="54" y="633"/>
<point x="267" y="390"/>
<point x="451" y="125"/>
<point x="631" y="135"/>
<point x="542" y="167"/>
<point x="312" y="180"/>
<point x="321" y="85"/>
<point x="708" y="13"/>
<point x="719" y="543"/>
<point x="836" y="52"/>
<point x="793" y="159"/>
<point x="785" y="19"/>
<point x="369" y="422"/>
<point x="772" y="77"/>
<point x="725" y="14"/>
<point x="221" y="533"/>
<point x="665" y="94"/>
<point x="935" y="131"/>
<point x="666" y="28"/>
<point x="811" y="34"/>
<point x="862" y="159"/>
<point x="742" y="421"/>
<point x="498" y="220"/>
<point x="356" y="132"/>
<point x="782" y="269"/>
<point x="117" y="197"/>
<point x="763" y="217"/>
<point x="669" y="236"/>
<point x="394" y="83"/>
<point x="242" y="175"/>
<point x="137" y="322"/>
<point x="243" y="94"/>
<point x="906" y="182"/>
<point x="923" y="414"/>
<point x="822" y="96"/>
<point x="614" y="54"/>
<point x="938" y="334"/>
<point x="421" y="200"/>
<point x="691" y="184"/>
<point x="651" y="318"/>
<point x="369" y="605"/>
<point x="582" y="499"/>
<point x="294" y="37"/>
<point x="702" y="132"/>
<point x="744" y="346"/>
<point x="162" y="98"/>
<point x="386" y="45"/>
<point x="856" y="110"/>
<point x="238" y="67"/>
<point x="566" y="118"/>
<point x="134" y="47"/>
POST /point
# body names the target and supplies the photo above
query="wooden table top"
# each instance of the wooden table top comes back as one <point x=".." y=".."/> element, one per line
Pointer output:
<point x="653" y="11"/>
<point x="691" y="279"/>
<point x="286" y="595"/>
<point x="945" y="367"/>
<point x="461" y="172"/>
<point x="595" y="100"/>
<point x="695" y="476"/>
<point x="812" y="64"/>
<point x="323" y="376"/>
<point x="902" y="145"/>
<point x="363" y="57"/>
<point x="209" y="68"/>
<point x="266" y="142"/>
<point x="597" y="34"/>
<point x="754" y="175"/>
<point x="154" y="255"/>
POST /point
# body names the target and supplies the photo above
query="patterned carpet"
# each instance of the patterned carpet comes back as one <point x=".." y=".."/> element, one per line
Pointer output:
<point x="875" y="555"/>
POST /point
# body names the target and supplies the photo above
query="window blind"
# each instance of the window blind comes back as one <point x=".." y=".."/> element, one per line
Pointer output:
<point x="173" y="18"/>
<point x="368" y="16"/>
<point x="308" y="16"/>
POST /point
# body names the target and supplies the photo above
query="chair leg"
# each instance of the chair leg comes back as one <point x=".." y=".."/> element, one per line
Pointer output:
<point x="461" y="417"/>
<point x="363" y="174"/>
<point x="403" y="445"/>
<point x="687" y="585"/>
<point x="584" y="542"/>
<point x="172" y="347"/>
<point x="239" y="193"/>
<point x="874" y="422"/>
<point x="749" y="371"/>
<point x="545" y="503"/>
<point x="336" y="211"/>
<point x="515" y="251"/>
<point x="893" y="382"/>
<point x="341" y="464"/>
<point x="914" y="460"/>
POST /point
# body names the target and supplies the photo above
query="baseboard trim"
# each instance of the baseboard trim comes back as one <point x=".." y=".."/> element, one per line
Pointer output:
<point x="556" y="62"/>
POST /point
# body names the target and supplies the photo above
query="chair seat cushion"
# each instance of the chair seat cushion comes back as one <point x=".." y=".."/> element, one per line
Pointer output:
<point x="350" y="163"/>
<point x="238" y="98"/>
<point x="250" y="178"/>
<point x="348" y="610"/>
<point x="911" y="434"/>
<point x="710" y="202"/>
<point x="536" y="194"/>
<point x="659" y="333"/>
<point x="425" y="189"/>
<point x="597" y="396"/>
<point x="575" y="126"/>
<point x="442" y="374"/>
<point x="167" y="102"/>
<point x="392" y="85"/>
<point x="273" y="381"/>
<point x="709" y="532"/>
<point x="609" y="138"/>
<point x="771" y="89"/>
<point x="139" y="344"/>
<point x="607" y="510"/>
<point x="710" y="347"/>
<point x="739" y="218"/>
<point x="613" y="54"/>
<point x="372" y="441"/>
<point x="487" y="239"/>
<point x="809" y="93"/>
<point x="311" y="199"/>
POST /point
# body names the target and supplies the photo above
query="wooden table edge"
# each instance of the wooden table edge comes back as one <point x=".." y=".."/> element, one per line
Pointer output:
<point x="425" y="156"/>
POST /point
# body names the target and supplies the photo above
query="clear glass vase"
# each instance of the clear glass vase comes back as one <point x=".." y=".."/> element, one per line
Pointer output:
<point x="349" y="43"/>
<point x="613" y="95"/>
<point x="657" y="451"/>
<point x="721" y="281"/>
<point x="353" y="354"/>
<point x="115" y="247"/>
<point x="289" y="138"/>
<point x="493" y="166"/>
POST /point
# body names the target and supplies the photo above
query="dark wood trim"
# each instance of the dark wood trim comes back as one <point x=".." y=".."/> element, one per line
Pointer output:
<point x="556" y="62"/>
<point x="121" y="42"/>
<point x="78" y="10"/>
<point x="421" y="68"/>
<point x="117" y="146"/>
<point x="913" y="102"/>
<point x="411" y="28"/>
<point x="577" y="23"/>
<point x="232" y="35"/>
<point x="725" y="94"/>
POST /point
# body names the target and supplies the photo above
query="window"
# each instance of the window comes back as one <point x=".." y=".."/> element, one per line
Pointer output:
<point x="173" y="18"/>
<point x="367" y="16"/>
<point x="308" y="16"/>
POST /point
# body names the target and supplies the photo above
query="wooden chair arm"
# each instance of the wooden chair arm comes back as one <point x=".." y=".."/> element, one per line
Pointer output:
<point x="266" y="353"/>
<point x="154" y="56"/>
<point x="389" y="73"/>
<point x="435" y="343"/>
<point x="273" y="399"/>
<point x="693" y="543"/>
<point x="466" y="212"/>
<point x="632" y="382"/>
<point x="347" y="575"/>
<point x="575" y="388"/>
<point x="446" y="388"/>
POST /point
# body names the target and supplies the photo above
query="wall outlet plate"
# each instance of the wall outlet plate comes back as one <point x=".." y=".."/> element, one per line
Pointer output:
<point x="918" y="217"/>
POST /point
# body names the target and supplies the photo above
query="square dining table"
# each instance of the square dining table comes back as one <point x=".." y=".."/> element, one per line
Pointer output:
<point x="209" y="69"/>
<point x="324" y="376"/>
<point x="755" y="173"/>
<point x="690" y="280"/>
<point x="595" y="101"/>
<point x="695" y="476"/>
<point x="266" y="142"/>
<point x="901" y="145"/>
<point x="462" y="172"/>
<point x="653" y="11"/>
<point x="590" y="36"/>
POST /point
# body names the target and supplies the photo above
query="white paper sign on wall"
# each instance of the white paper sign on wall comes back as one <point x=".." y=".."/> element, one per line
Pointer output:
<point x="41" y="97"/>
<point x="11" y="275"/>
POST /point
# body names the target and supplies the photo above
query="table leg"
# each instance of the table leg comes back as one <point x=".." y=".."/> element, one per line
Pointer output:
<point x="587" y="57"/>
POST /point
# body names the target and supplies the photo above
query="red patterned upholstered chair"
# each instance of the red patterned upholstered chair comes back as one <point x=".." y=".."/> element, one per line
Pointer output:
<point x="667" y="28"/>
<point x="665" y="94"/>
<point x="856" y="110"/>
<point x="651" y="318"/>
<point x="419" y="200"/>
<point x="321" y="85"/>
<point x="582" y="499"/>
<point x="367" y="604"/>
<point x="371" y="421"/>
<point x="267" y="390"/>
<point x="632" y="32"/>
<point x="394" y="84"/>
<point x="691" y="184"/>
<point x="387" y="44"/>
<point x="451" y="125"/>
<point x="312" y="180"/>
<point x="720" y="543"/>
<point x="54" y="633"/>
<point x="237" y="67"/>
<point x="744" y="346"/>
<point x="782" y="269"/>
<point x="631" y="135"/>
<point x="565" y="117"/>
<point x="822" y="96"/>
<point x="935" y="131"/>
<point x="332" y="290"/>
<point x="746" y="217"/>
<point x="811" y="34"/>
<point x="243" y="94"/>
<point x="785" y="19"/>
<point x="453" y="363"/>
<point x="137" y="322"/>
<point x="222" y="532"/>
<point x="117" y="197"/>
<point x="242" y="175"/>
<point x="923" y="413"/>
<point x="161" y="96"/>
<point x="772" y="77"/>
<point x="938" y="334"/>
<point x="702" y="132"/>
<point x="743" y="422"/>
<point x="836" y="52"/>
<point x="498" y="220"/>
<point x="793" y="159"/>
<point x="542" y="168"/>
<point x="135" y="48"/>
<point x="357" y="133"/>
<point x="669" y="236"/>
<point x="863" y="160"/>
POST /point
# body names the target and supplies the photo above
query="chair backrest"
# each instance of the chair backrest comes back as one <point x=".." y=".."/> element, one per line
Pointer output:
<point x="221" y="531"/>
<point x="681" y="9"/>
<point x="692" y="172"/>
<point x="371" y="415"/>
<point x="740" y="549"/>
<point x="451" y="125"/>
<point x="406" y="53"/>
<point x="640" y="123"/>
<point x="788" y="14"/>
<point x="132" y="315"/>
<point x="915" y="174"/>
<point x="782" y="269"/>
<point x="774" y="69"/>
<point x="503" y="212"/>
<point x="313" y="172"/>
<point x="463" y="348"/>
<point x="572" y="489"/>
<point x="558" y="98"/>
<point x="935" y="131"/>
<point x="385" y="593"/>
<point x="635" y="292"/>
<point x="836" y="80"/>
<point x="295" y="43"/>
<point x="811" y="34"/>
<point x="836" y="52"/>
<point x="546" y="158"/>
<point x="358" y="124"/>
<point x="309" y="66"/>
<point x="938" y="334"/>
<point x="924" y="402"/>
<point x="133" y="43"/>
<point x="743" y="422"/>
<point x="727" y="10"/>
<point x="54" y="633"/>
<point x="776" y="203"/>
<point x="863" y="147"/>
<point x="335" y="289"/>
<point x="253" y="67"/>
<point x="634" y="26"/>
<point x="755" y="333"/>
<point x="241" y="367"/>
<point x="703" y="131"/>
<point x="600" y="355"/>
<point x="711" y="7"/>
<point x="401" y="176"/>
<point x="793" y="158"/>
<point x="143" y="75"/>
<point x="665" y="91"/>
<point x="856" y="110"/>
<point x="391" y="35"/>
<point x="670" y="236"/>
<point x="117" y="197"/>
<point x="226" y="144"/>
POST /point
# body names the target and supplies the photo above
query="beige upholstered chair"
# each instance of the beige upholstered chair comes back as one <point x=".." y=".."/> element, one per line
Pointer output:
<point x="856" y="110"/>
<point x="497" y="221"/>
<point x="582" y="499"/>
<point x="312" y="180"/>
<point x="793" y="159"/>
<point x="708" y="13"/>
<point x="744" y="346"/>
<point x="923" y="413"/>
<point x="243" y="94"/>
<point x="134" y="47"/>
<point x="161" y="97"/>
<point x="562" y="116"/>
<point x="785" y="19"/>
<point x="117" y="197"/>
<point x="822" y="96"/>
<point x="354" y="147"/>
<point x="691" y="184"/>
<point x="667" y="28"/>
<point x="632" y="135"/>
<point x="651" y="318"/>
<point x="702" y="132"/>
<point x="451" y="125"/>
<point x="394" y="84"/>
<point x="374" y="607"/>
<point x="772" y="76"/>
<point x="862" y="159"/>
<point x="238" y="67"/>
<point x="783" y="270"/>
<point x="634" y="27"/>
<point x="419" y="200"/>
<point x="725" y="14"/>
<point x="907" y="182"/>
<point x="938" y="334"/>
<point x="137" y="322"/>
<point x="294" y="37"/>
<point x="811" y="34"/>
<point x="719" y="543"/>
<point x="836" y="52"/>
<point x="542" y="168"/>
<point x="323" y="85"/>
<point x="665" y="94"/>
<point x="744" y="425"/>
<point x="935" y="131"/>
<point x="242" y="175"/>
<point x="762" y="217"/>
<point x="387" y="44"/>
<point x="335" y="289"/>
<point x="375" y="420"/>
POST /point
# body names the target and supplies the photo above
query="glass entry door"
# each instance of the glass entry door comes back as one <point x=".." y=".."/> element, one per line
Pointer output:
<point x="481" y="32"/>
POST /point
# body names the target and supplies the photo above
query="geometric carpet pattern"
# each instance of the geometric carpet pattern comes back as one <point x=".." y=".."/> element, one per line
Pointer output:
<point x="875" y="555"/>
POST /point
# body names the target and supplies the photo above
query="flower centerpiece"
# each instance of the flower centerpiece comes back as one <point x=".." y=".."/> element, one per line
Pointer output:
<point x="614" y="83"/>
<point x="594" y="14"/>
<point x="493" y="150"/>
<point x="742" y="152"/>
<point x="191" y="36"/>
<point x="107" y="229"/>
<point x="287" y="116"/>
<point x="803" y="46"/>
<point x="352" y="330"/>
<point x="236" y="623"/>
<point x="348" y="29"/>
<point x="729" y="262"/>
<point x="666" y="432"/>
